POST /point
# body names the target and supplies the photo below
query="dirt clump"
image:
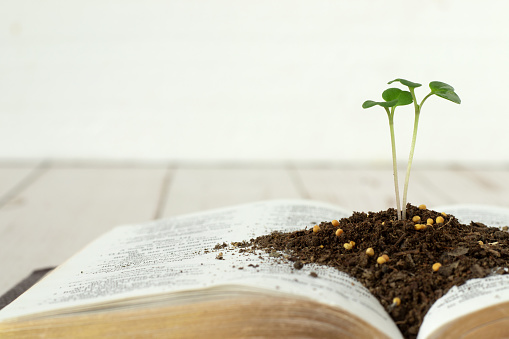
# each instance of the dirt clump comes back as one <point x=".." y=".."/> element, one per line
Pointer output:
<point x="409" y="253"/>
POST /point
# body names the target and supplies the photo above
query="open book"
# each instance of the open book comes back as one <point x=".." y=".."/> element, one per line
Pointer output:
<point x="162" y="279"/>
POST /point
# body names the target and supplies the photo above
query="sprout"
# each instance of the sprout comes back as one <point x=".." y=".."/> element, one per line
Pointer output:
<point x="395" y="97"/>
<point x="438" y="88"/>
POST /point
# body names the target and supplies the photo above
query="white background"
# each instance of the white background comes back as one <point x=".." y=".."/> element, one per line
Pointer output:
<point x="250" y="80"/>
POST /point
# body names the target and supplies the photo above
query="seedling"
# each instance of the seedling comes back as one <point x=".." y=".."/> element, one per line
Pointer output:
<point x="394" y="97"/>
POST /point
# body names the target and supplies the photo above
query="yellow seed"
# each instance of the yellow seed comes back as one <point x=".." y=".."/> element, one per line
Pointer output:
<point x="440" y="220"/>
<point x="429" y="221"/>
<point x="419" y="227"/>
<point x="383" y="223"/>
<point x="386" y="257"/>
<point x="347" y="246"/>
<point x="352" y="243"/>
<point x="335" y="223"/>
<point x="436" y="266"/>
<point x="316" y="228"/>
<point x="422" y="207"/>
<point x="396" y="301"/>
<point x="321" y="246"/>
<point x="416" y="218"/>
<point x="381" y="260"/>
<point x="370" y="252"/>
<point x="339" y="231"/>
<point x="480" y="242"/>
<point x="444" y="214"/>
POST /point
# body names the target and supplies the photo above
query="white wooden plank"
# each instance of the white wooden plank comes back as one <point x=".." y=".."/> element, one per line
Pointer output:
<point x="12" y="177"/>
<point x="467" y="186"/>
<point x="193" y="190"/>
<point x="65" y="209"/>
<point x="494" y="184"/>
<point x="354" y="189"/>
<point x="367" y="189"/>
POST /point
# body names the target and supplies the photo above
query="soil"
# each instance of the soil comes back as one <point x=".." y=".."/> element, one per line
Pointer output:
<point x="464" y="252"/>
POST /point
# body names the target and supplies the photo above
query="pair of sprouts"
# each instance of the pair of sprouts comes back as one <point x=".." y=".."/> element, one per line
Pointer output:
<point x="394" y="97"/>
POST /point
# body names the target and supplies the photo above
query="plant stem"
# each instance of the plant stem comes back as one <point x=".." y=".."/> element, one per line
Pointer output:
<point x="417" y="108"/>
<point x="390" y="114"/>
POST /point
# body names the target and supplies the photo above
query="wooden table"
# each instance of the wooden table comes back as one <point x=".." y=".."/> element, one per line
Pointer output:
<point x="48" y="211"/>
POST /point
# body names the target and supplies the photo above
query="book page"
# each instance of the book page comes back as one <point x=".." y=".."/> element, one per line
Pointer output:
<point x="170" y="256"/>
<point x="475" y="294"/>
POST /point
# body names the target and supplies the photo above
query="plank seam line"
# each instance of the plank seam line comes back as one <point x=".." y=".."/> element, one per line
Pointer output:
<point x="163" y="193"/>
<point x="23" y="184"/>
<point x="298" y="182"/>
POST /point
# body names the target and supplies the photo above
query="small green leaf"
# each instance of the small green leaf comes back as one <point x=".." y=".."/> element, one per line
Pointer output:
<point x="406" y="83"/>
<point x="450" y="95"/>
<point x="445" y="91"/>
<point x="370" y="103"/>
<point x="437" y="86"/>
<point x="403" y="97"/>
<point x="391" y="94"/>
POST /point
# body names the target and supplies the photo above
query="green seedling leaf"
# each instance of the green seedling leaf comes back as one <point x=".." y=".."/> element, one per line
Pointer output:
<point x="406" y="83"/>
<point x="445" y="91"/>
<point x="393" y="97"/>
<point x="403" y="97"/>
<point x="437" y="86"/>
<point x="371" y="103"/>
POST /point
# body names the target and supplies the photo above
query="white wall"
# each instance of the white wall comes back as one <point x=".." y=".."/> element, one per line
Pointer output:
<point x="249" y="80"/>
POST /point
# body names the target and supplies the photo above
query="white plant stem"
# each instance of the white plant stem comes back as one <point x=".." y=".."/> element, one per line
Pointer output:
<point x="390" y="114"/>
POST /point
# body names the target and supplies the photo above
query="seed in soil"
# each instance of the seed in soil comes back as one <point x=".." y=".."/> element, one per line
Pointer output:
<point x="316" y="229"/>
<point x="419" y="227"/>
<point x="440" y="220"/>
<point x="335" y="223"/>
<point x="436" y="266"/>
<point x="339" y="231"/>
<point x="381" y="260"/>
<point x="416" y="218"/>
<point x="422" y="207"/>
<point x="396" y="301"/>
<point x="370" y="252"/>
<point x="348" y="246"/>
<point x="429" y="221"/>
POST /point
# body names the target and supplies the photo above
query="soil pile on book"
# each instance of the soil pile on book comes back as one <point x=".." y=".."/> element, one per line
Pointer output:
<point x="421" y="263"/>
